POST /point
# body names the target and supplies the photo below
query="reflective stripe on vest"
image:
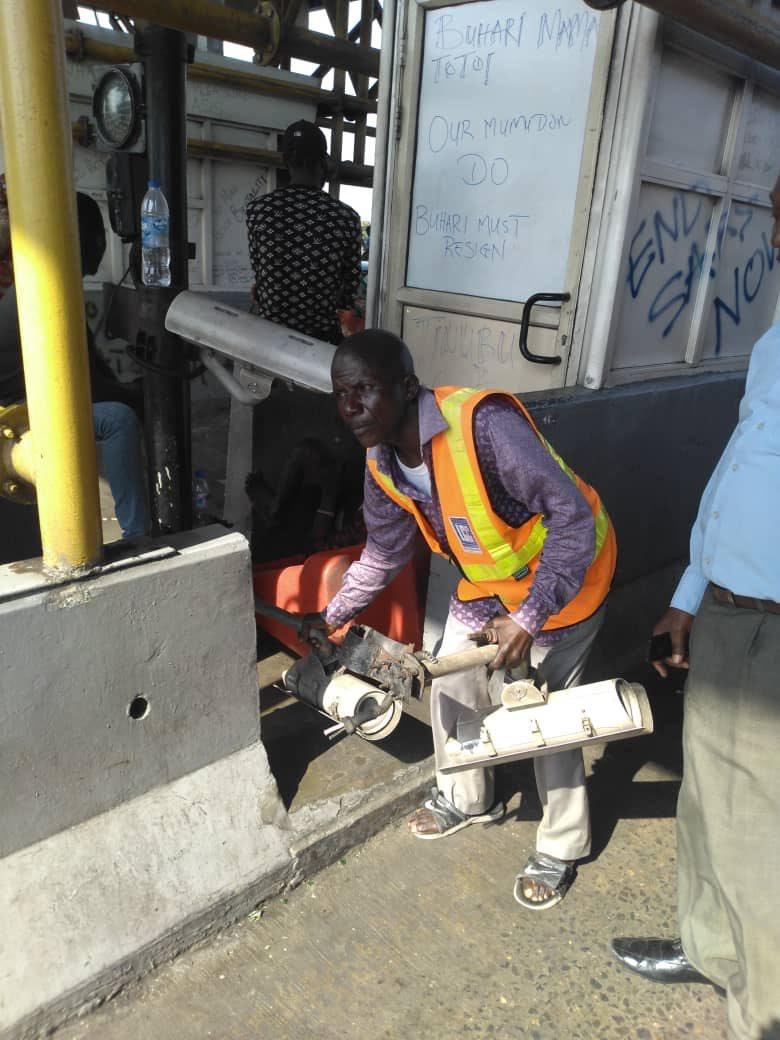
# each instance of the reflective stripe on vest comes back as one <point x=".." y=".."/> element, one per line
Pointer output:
<point x="601" y="519"/>
<point x="507" y="562"/>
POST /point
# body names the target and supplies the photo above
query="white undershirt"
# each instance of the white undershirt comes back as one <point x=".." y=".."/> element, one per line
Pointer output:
<point x="418" y="476"/>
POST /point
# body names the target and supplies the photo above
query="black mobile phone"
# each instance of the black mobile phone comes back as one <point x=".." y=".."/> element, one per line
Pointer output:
<point x="661" y="647"/>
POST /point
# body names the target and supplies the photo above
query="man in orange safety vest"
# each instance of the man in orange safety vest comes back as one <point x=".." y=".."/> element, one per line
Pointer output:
<point x="535" y="550"/>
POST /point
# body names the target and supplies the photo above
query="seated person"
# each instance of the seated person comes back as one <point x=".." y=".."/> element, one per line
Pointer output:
<point x="304" y="245"/>
<point x="117" y="429"/>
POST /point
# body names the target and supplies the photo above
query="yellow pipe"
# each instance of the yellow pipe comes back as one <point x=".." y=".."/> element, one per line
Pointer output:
<point x="17" y="454"/>
<point x="21" y="457"/>
<point x="201" y="16"/>
<point x="47" y="267"/>
<point x="259" y="31"/>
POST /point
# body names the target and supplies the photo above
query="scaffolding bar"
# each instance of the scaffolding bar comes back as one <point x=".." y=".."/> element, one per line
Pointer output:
<point x="80" y="46"/>
<point x="210" y="19"/>
<point x="197" y="16"/>
<point x="348" y="173"/>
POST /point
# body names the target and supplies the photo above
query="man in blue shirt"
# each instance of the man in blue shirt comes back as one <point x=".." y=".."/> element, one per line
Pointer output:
<point x="728" y="814"/>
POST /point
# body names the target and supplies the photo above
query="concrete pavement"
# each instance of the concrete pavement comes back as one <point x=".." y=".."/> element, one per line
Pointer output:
<point x="409" y="939"/>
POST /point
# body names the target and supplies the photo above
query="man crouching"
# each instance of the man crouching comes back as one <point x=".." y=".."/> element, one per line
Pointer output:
<point x="536" y="551"/>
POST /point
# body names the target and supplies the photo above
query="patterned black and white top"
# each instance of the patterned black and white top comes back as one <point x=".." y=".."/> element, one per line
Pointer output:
<point x="305" y="249"/>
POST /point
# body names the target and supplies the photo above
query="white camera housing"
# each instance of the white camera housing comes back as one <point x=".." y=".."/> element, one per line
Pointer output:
<point x="260" y="349"/>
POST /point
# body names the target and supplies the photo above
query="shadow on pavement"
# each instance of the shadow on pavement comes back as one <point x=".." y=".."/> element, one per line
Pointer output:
<point x="297" y="748"/>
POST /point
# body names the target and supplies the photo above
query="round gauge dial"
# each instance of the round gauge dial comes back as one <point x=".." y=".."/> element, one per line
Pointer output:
<point x="115" y="108"/>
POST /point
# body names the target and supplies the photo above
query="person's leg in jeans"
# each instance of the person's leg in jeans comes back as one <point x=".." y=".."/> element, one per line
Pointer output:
<point x="118" y="436"/>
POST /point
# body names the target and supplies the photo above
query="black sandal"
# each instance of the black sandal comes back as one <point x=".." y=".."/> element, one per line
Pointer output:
<point x="555" y="874"/>
<point x="439" y="812"/>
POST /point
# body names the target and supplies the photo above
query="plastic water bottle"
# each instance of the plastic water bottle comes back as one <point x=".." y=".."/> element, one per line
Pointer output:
<point x="200" y="498"/>
<point x="155" y="238"/>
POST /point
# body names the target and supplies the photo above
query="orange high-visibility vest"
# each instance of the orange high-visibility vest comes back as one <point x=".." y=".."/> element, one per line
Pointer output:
<point x="494" y="558"/>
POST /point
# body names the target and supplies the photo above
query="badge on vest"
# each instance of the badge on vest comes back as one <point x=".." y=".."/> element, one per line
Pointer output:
<point x="465" y="535"/>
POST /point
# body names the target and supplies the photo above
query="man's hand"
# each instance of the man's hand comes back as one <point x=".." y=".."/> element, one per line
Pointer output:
<point x="514" y="643"/>
<point x="315" y="629"/>
<point x="678" y="624"/>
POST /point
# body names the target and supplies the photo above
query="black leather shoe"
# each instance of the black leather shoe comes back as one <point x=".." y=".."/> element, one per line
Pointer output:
<point x="661" y="960"/>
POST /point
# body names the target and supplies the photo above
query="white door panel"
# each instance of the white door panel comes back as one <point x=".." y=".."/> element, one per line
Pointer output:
<point x="460" y="350"/>
<point x="501" y="111"/>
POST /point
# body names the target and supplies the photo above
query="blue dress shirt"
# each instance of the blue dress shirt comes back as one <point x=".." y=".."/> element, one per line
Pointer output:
<point x="735" y="541"/>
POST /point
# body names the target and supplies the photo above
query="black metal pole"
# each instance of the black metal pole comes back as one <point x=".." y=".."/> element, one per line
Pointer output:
<point x="166" y="391"/>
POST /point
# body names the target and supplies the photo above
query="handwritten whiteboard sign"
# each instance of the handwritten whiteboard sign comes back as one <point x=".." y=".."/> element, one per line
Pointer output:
<point x="501" y="124"/>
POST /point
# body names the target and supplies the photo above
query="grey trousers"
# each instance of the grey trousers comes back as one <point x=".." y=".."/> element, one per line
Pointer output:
<point x="560" y="779"/>
<point x="728" y="815"/>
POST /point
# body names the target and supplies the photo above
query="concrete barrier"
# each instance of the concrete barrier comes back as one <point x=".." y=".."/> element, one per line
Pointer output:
<point x="138" y="806"/>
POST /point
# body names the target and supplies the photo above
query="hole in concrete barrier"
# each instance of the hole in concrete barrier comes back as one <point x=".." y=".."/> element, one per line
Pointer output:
<point x="138" y="708"/>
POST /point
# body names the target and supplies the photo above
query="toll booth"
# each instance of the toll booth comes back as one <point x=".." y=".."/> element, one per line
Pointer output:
<point x="576" y="209"/>
<point x="570" y="205"/>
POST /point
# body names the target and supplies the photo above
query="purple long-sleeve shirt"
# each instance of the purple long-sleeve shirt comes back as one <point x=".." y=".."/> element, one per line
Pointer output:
<point x="521" y="478"/>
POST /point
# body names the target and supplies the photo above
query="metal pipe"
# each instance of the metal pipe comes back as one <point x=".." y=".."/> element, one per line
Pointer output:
<point x="166" y="393"/>
<point x="284" y="617"/>
<point x="327" y="123"/>
<point x="17" y="454"/>
<point x="329" y="50"/>
<point x="349" y="172"/>
<point x="381" y="151"/>
<point x="732" y="24"/>
<point x="80" y="46"/>
<point x="351" y="106"/>
<point x="47" y="268"/>
<point x="480" y="655"/>
<point x="434" y="666"/>
<point x="21" y="457"/>
<point x="227" y="379"/>
<point x="253" y="30"/>
<point x="197" y="16"/>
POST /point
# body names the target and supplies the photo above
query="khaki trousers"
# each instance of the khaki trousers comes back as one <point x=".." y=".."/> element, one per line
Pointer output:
<point x="728" y="815"/>
<point x="560" y="779"/>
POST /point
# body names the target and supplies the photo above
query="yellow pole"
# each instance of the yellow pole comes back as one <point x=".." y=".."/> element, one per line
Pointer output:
<point x="47" y="269"/>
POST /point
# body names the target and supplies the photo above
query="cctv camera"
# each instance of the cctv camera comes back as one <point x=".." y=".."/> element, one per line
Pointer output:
<point x="261" y="349"/>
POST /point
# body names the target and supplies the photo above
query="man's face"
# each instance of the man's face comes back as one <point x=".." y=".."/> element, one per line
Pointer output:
<point x="372" y="408"/>
<point x="774" y="196"/>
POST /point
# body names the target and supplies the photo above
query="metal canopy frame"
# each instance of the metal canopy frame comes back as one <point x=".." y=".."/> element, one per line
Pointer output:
<point x="274" y="32"/>
<point x="732" y="24"/>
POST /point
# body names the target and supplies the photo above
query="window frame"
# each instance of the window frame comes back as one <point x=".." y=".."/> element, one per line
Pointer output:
<point x="631" y="169"/>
